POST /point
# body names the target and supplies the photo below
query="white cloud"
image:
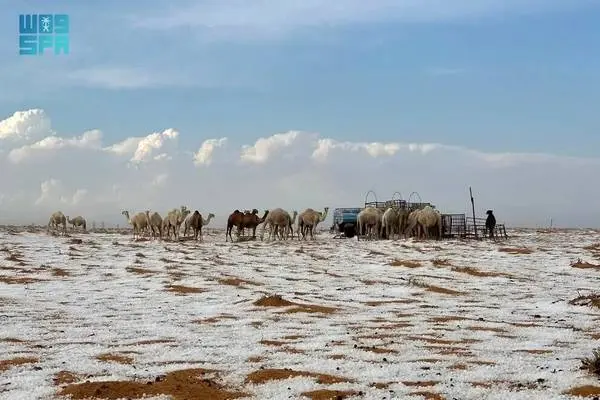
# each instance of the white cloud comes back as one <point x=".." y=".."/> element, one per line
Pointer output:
<point x="293" y="170"/>
<point x="143" y="149"/>
<point x="89" y="140"/>
<point x="264" y="148"/>
<point x="324" y="148"/>
<point x="25" y="125"/>
<point x="204" y="155"/>
<point x="53" y="193"/>
<point x="241" y="19"/>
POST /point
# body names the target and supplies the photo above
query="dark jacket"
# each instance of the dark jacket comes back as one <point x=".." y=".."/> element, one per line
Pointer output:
<point x="490" y="222"/>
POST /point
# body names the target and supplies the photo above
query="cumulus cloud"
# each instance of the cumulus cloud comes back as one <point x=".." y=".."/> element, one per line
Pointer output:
<point x="293" y="170"/>
<point x="265" y="147"/>
<point x="143" y="149"/>
<point x="25" y="125"/>
<point x="53" y="193"/>
<point x="204" y="155"/>
<point x="89" y="140"/>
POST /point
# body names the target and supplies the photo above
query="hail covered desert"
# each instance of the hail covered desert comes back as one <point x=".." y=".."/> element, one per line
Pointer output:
<point x="147" y="312"/>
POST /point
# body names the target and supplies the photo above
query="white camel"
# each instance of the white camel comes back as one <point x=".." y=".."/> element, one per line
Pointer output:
<point x="277" y="220"/>
<point x="174" y="219"/>
<point x="389" y="222"/>
<point x="370" y="219"/>
<point x="77" y="221"/>
<point x="155" y="222"/>
<point x="402" y="221"/>
<point x="195" y="222"/>
<point x="139" y="222"/>
<point x="57" y="219"/>
<point x="308" y="221"/>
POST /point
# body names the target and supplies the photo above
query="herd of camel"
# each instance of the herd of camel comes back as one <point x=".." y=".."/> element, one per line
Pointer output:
<point x="425" y="222"/>
<point x="279" y="222"/>
<point x="371" y="222"/>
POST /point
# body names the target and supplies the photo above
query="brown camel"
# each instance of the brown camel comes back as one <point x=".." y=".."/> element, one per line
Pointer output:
<point x="249" y="220"/>
<point x="234" y="219"/>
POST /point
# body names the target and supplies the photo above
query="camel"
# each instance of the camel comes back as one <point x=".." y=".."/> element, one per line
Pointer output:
<point x="139" y="222"/>
<point x="278" y="220"/>
<point x="77" y="221"/>
<point x="431" y="222"/>
<point x="369" y="218"/>
<point x="174" y="219"/>
<point x="251" y="221"/>
<point x="308" y="221"/>
<point x="402" y="221"/>
<point x="234" y="219"/>
<point x="289" y="229"/>
<point x="195" y="222"/>
<point x="425" y="221"/>
<point x="292" y="222"/>
<point x="155" y="222"/>
<point x="389" y="222"/>
<point x="57" y="219"/>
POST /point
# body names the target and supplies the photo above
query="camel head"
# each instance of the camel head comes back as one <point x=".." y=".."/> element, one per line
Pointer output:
<point x="323" y="215"/>
<point x="125" y="213"/>
<point x="261" y="220"/>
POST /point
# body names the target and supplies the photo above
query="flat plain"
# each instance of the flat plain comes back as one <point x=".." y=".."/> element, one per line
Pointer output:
<point x="100" y="316"/>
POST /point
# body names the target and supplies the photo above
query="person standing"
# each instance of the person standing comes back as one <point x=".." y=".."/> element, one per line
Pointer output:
<point x="490" y="223"/>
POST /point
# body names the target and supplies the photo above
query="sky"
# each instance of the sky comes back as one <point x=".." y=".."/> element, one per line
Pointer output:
<point x="241" y="104"/>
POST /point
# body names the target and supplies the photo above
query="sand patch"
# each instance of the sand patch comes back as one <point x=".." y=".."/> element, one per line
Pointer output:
<point x="5" y="365"/>
<point x="232" y="281"/>
<point x="139" y="271"/>
<point x="325" y="394"/>
<point x="115" y="358"/>
<point x="533" y="351"/>
<point x="515" y="250"/>
<point x="13" y="340"/>
<point x="475" y="272"/>
<point x="382" y="302"/>
<point x="420" y="383"/>
<point x="449" y="318"/>
<point x="405" y="263"/>
<point x="66" y="377"/>
<point x="150" y="342"/>
<point x="278" y="301"/>
<point x="60" y="272"/>
<point x="486" y="329"/>
<point x="214" y="319"/>
<point x="440" y="262"/>
<point x="428" y="395"/>
<point x="180" y="385"/>
<point x="13" y="280"/>
<point x="183" y="290"/>
<point x="584" y="391"/>
<point x="265" y="375"/>
<point x="272" y="342"/>
<point x="585" y="265"/>
<point x="255" y="359"/>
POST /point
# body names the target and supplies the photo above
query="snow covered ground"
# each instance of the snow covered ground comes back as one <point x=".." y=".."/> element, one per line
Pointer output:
<point x="279" y="320"/>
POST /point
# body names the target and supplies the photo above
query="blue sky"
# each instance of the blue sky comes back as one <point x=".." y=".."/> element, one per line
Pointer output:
<point x="491" y="75"/>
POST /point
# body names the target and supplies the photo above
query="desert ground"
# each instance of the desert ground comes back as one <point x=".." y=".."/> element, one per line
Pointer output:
<point x="100" y="316"/>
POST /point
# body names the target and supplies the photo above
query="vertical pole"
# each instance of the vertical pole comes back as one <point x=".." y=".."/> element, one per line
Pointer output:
<point x="473" y="208"/>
